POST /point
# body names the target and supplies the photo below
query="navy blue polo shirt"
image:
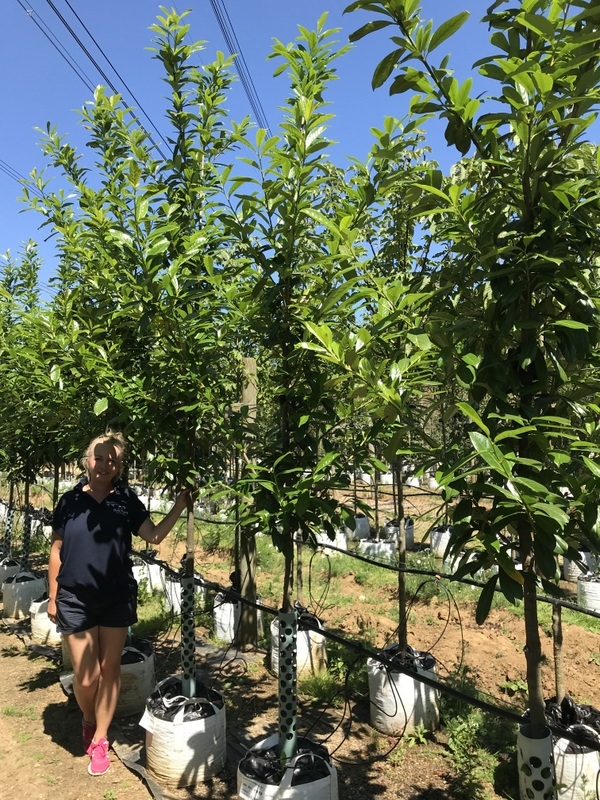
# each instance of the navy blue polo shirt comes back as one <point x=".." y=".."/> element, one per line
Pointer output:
<point x="97" y="539"/>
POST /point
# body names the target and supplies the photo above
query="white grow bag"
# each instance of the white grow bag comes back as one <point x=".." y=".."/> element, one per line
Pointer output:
<point x="311" y="650"/>
<point x="19" y="591"/>
<point x="137" y="681"/>
<point x="578" y="772"/>
<point x="400" y="702"/>
<point x="42" y="629"/>
<point x="182" y="752"/>
<point x="251" y="788"/>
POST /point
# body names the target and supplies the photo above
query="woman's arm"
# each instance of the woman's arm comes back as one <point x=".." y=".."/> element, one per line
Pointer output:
<point x="154" y="534"/>
<point x="53" y="567"/>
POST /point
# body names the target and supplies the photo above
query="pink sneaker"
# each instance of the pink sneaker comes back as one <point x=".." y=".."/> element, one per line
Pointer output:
<point x="88" y="729"/>
<point x="99" y="760"/>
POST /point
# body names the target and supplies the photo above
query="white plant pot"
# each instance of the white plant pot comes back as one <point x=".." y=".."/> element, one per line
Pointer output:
<point x="588" y="593"/>
<point x="152" y="574"/>
<point x="137" y="682"/>
<point x="42" y="630"/>
<point x="385" y="550"/>
<point x="340" y="541"/>
<point x="8" y="568"/>
<point x="439" y="539"/>
<point x="311" y="651"/>
<point x="535" y="764"/>
<point x="183" y="752"/>
<point x="400" y="702"/>
<point x="362" y="528"/>
<point x="576" y="772"/>
<point x="252" y="788"/>
<point x="571" y="569"/>
<point x="172" y="589"/>
<point x="19" y="591"/>
<point x="226" y="617"/>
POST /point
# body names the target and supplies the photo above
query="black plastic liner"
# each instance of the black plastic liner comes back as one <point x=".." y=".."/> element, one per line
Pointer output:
<point x="21" y="577"/>
<point x="311" y="764"/>
<point x="166" y="700"/>
<point x="578" y="719"/>
<point x="8" y="561"/>
<point x="136" y="651"/>
<point x="412" y="659"/>
<point x="306" y="619"/>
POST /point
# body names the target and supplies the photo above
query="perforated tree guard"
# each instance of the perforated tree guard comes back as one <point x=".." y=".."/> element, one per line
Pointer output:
<point x="288" y="682"/>
<point x="188" y="638"/>
<point x="26" y="540"/>
<point x="10" y="521"/>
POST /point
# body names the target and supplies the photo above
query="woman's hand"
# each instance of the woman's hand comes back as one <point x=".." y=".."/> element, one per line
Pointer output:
<point x="52" y="609"/>
<point x="181" y="501"/>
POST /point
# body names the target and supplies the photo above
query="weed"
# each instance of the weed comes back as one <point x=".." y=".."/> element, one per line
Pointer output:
<point x="152" y="617"/>
<point x="26" y="713"/>
<point x="513" y="686"/>
<point x="109" y="795"/>
<point x="418" y="735"/>
<point x="144" y="594"/>
<point x="594" y="659"/>
<point x="476" y="738"/>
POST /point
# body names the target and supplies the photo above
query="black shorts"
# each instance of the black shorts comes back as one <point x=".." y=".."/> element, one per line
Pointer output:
<point x="81" y="609"/>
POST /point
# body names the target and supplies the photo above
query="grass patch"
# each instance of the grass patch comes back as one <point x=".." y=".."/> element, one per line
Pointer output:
<point x="481" y="745"/>
<point x="153" y="617"/>
<point x="344" y="678"/>
<point x="23" y="713"/>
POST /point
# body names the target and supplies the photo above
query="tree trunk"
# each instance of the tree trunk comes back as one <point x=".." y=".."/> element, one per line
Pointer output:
<point x="557" y="642"/>
<point x="248" y="630"/>
<point x="188" y="639"/>
<point x="402" y="619"/>
<point x="533" y="651"/>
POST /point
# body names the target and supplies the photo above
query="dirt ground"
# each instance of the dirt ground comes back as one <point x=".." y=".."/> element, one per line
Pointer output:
<point x="40" y="752"/>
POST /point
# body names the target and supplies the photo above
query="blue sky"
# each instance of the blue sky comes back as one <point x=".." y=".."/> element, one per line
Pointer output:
<point x="38" y="86"/>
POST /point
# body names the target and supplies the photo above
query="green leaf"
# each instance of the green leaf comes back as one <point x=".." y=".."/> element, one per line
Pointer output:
<point x="384" y="69"/>
<point x="470" y="412"/>
<point x="486" y="597"/>
<point x="511" y="589"/>
<point x="100" y="406"/>
<point x="571" y="323"/>
<point x="538" y="24"/>
<point x="447" y="29"/>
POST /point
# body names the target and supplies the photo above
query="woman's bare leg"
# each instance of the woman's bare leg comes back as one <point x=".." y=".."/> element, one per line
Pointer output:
<point x="84" y="649"/>
<point x="110" y="648"/>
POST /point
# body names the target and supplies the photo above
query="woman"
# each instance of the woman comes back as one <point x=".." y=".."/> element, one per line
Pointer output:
<point x="92" y="592"/>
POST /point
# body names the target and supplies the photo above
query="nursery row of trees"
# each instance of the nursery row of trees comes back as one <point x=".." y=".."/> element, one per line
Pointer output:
<point x="396" y="313"/>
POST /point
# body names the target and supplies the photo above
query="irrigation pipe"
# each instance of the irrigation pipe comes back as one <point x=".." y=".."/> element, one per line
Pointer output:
<point x="389" y="663"/>
<point x="467" y="581"/>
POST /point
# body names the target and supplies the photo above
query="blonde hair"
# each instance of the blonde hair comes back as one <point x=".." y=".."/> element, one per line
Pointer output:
<point x="117" y="440"/>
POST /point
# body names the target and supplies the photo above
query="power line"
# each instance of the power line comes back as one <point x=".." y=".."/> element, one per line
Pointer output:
<point x="227" y="29"/>
<point x="114" y="69"/>
<point x="16" y="176"/>
<point x="103" y="74"/>
<point x="41" y="25"/>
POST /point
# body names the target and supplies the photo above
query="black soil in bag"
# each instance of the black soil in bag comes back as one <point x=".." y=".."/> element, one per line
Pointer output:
<point x="136" y="650"/>
<point x="575" y="717"/>
<point x="412" y="659"/>
<point x="311" y="765"/>
<point x="166" y="700"/>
